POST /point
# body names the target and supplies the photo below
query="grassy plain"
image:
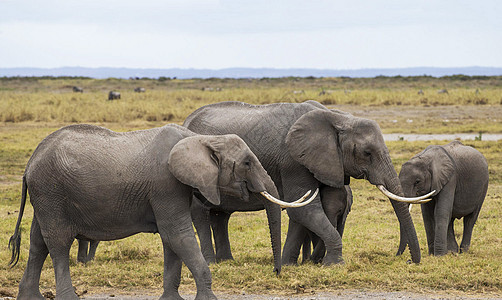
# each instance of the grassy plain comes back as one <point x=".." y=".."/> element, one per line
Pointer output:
<point x="32" y="108"/>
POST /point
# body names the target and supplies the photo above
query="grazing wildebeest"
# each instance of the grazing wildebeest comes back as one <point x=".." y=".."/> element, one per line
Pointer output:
<point x="113" y="95"/>
<point x="77" y="89"/>
<point x="139" y="90"/>
<point x="420" y="92"/>
<point x="443" y="91"/>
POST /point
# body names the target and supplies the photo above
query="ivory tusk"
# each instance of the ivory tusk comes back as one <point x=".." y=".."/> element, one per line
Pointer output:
<point x="302" y="198"/>
<point x="415" y="200"/>
<point x="290" y="204"/>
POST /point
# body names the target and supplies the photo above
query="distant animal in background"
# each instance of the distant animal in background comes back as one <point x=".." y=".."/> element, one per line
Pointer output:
<point x="443" y="91"/>
<point x="77" y="89"/>
<point x="459" y="175"/>
<point x="139" y="90"/>
<point x="325" y="92"/>
<point x="113" y="95"/>
<point x="420" y="92"/>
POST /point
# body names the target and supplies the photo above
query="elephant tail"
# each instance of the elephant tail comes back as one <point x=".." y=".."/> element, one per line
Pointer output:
<point x="15" y="239"/>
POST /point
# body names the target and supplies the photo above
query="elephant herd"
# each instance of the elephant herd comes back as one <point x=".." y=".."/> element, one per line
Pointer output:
<point x="92" y="184"/>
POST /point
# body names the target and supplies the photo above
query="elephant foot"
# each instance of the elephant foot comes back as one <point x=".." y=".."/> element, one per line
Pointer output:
<point x="171" y="296"/>
<point x="30" y="295"/>
<point x="289" y="262"/>
<point x="221" y="259"/>
<point x="205" y="296"/>
<point x="68" y="296"/>
<point x="335" y="260"/>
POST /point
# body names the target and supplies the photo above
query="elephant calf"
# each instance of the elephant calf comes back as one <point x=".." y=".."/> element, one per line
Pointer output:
<point x="459" y="174"/>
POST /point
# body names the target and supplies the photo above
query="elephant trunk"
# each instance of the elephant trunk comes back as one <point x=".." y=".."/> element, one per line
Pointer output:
<point x="274" y="222"/>
<point x="405" y="222"/>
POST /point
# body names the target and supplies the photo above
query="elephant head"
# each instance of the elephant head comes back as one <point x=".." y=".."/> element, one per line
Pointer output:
<point x="223" y="163"/>
<point x="427" y="171"/>
<point x="335" y="146"/>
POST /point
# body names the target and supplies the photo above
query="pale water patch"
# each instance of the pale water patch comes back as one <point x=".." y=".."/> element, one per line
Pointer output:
<point x="442" y="137"/>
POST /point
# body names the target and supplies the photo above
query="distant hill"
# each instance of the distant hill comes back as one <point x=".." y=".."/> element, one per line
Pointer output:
<point x="245" y="72"/>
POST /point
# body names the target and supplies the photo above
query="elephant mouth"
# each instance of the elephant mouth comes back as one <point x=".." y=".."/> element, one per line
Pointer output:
<point x="238" y="189"/>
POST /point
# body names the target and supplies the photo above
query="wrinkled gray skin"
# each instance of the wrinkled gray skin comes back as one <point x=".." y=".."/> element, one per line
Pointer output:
<point x="459" y="174"/>
<point x="339" y="206"/>
<point x="86" y="250"/>
<point x="91" y="183"/>
<point x="113" y="95"/>
<point x="304" y="146"/>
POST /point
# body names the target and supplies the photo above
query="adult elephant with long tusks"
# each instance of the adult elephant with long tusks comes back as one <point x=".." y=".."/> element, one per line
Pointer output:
<point x="91" y="183"/>
<point x="303" y="146"/>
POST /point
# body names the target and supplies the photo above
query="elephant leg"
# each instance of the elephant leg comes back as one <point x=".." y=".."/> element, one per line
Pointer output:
<point x="59" y="250"/>
<point x="469" y="222"/>
<point x="428" y="217"/>
<point x="452" y="242"/>
<point x="319" y="250"/>
<point x="93" y="245"/>
<point x="335" y="205"/>
<point x="172" y="273"/>
<point x="313" y="217"/>
<point x="82" y="251"/>
<point x="294" y="240"/>
<point x="306" y="248"/>
<point x="175" y="228"/>
<point x="29" y="285"/>
<point x="219" y="224"/>
<point x="200" y="219"/>
<point x="442" y="217"/>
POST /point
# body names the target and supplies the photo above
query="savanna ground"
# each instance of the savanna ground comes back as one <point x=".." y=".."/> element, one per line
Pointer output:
<point x="31" y="108"/>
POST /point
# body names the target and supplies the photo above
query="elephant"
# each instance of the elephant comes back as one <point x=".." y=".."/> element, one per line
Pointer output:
<point x="459" y="176"/>
<point x="113" y="95"/>
<point x="91" y="183"/>
<point x="139" y="90"/>
<point x="77" y="89"/>
<point x="304" y="146"/>
<point x="341" y="206"/>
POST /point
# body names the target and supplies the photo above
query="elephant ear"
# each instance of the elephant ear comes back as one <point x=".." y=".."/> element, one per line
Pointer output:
<point x="195" y="162"/>
<point x="442" y="168"/>
<point x="313" y="142"/>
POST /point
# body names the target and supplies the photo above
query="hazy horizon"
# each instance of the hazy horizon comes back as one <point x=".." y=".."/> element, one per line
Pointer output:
<point x="107" y="72"/>
<point x="219" y="34"/>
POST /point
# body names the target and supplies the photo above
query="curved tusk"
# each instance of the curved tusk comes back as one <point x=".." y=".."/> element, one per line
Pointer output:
<point x="415" y="200"/>
<point x="290" y="204"/>
<point x="302" y="198"/>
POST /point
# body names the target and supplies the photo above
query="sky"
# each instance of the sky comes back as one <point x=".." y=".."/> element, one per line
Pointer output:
<point x="217" y="34"/>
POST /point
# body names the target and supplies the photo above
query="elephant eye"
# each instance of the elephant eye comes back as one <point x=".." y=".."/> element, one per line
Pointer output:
<point x="367" y="153"/>
<point x="247" y="164"/>
<point x="417" y="181"/>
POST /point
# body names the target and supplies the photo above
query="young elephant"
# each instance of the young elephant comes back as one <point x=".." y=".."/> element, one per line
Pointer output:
<point x="91" y="183"/>
<point x="459" y="174"/>
<point x="86" y="250"/>
<point x="337" y="210"/>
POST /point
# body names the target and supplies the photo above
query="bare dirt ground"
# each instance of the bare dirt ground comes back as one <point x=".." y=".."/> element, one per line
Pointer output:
<point x="340" y="295"/>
